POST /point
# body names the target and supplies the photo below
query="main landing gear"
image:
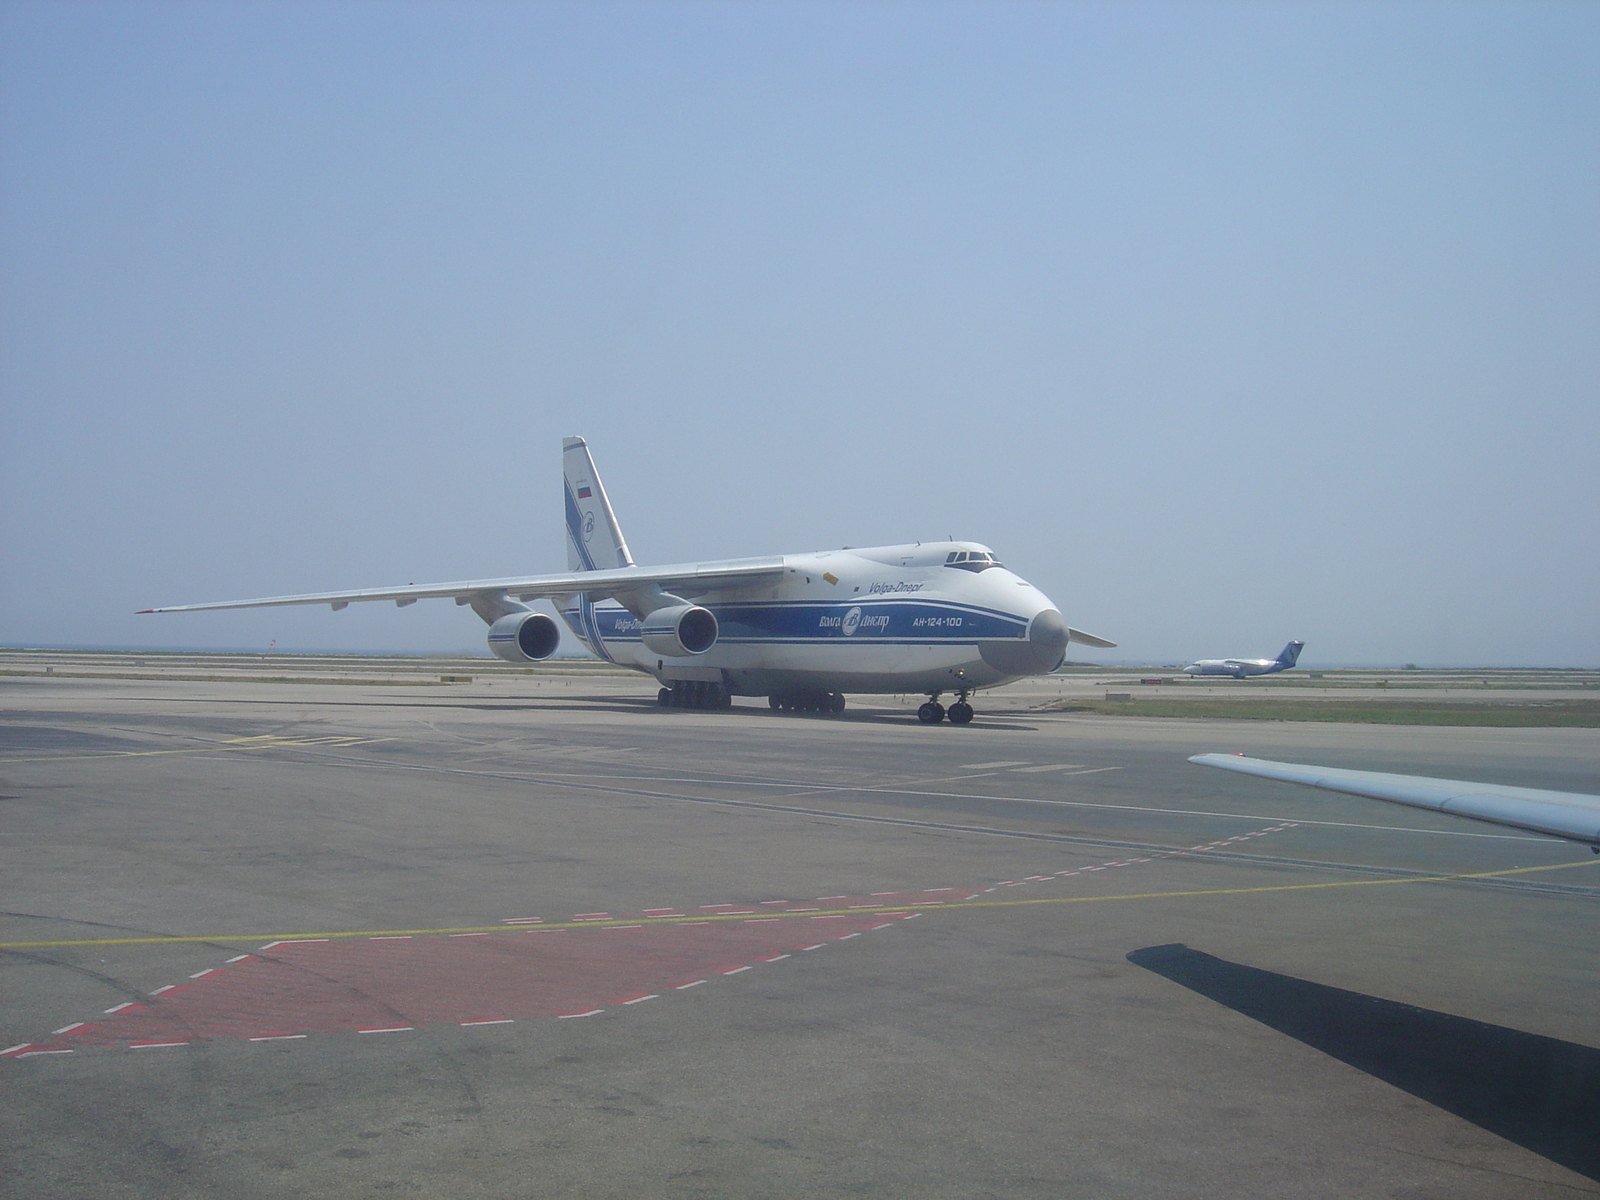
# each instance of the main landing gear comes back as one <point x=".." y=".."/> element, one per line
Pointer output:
<point x="823" y="702"/>
<point x="694" y="693"/>
<point x="959" y="713"/>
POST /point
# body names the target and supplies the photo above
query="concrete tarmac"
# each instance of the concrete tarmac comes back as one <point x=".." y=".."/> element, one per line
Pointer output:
<point x="1038" y="956"/>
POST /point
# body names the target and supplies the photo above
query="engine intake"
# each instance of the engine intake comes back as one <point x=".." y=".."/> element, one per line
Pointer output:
<point x="523" y="637"/>
<point x="680" y="630"/>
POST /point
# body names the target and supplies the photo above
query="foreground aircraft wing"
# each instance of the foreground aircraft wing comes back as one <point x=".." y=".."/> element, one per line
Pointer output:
<point x="693" y="578"/>
<point x="1571" y="815"/>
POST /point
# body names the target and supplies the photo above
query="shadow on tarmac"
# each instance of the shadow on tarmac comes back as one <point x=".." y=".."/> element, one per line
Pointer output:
<point x="1539" y="1092"/>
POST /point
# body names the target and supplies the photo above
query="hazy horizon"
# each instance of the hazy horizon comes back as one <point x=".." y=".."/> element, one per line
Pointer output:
<point x="1222" y="323"/>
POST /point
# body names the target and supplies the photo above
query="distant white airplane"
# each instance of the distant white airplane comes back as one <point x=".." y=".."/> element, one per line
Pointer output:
<point x="800" y="629"/>
<point x="1239" y="668"/>
<point x="1571" y="815"/>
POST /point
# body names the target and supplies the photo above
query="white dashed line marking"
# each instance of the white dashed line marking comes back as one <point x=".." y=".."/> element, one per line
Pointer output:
<point x="202" y="974"/>
<point x="692" y="983"/>
<point x="153" y="1045"/>
<point x="846" y="937"/>
<point x="279" y="1037"/>
<point x="642" y="999"/>
<point x="120" y="1007"/>
<point x="389" y="1029"/>
<point x="736" y="970"/>
<point x="234" y="959"/>
<point x="1047" y="767"/>
<point x="775" y="958"/>
<point x="569" y="1016"/>
<point x="988" y="766"/>
<point x="501" y="1021"/>
<point x="164" y="988"/>
<point x="66" y="1028"/>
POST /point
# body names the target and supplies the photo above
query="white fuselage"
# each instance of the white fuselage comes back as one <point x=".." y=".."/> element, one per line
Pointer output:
<point x="1239" y="668"/>
<point x="928" y="617"/>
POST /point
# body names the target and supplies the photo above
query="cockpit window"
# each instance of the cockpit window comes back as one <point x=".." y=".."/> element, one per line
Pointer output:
<point x="971" y="560"/>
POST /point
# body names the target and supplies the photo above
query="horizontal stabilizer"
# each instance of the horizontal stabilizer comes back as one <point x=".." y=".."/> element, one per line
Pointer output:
<point x="1089" y="639"/>
<point x="1572" y="815"/>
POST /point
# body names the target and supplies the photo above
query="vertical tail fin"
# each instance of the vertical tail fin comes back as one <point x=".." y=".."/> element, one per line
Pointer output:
<point x="594" y="539"/>
<point x="1290" y="654"/>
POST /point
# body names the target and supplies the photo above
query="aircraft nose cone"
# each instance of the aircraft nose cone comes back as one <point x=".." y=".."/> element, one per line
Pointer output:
<point x="1048" y="635"/>
<point x="1037" y="654"/>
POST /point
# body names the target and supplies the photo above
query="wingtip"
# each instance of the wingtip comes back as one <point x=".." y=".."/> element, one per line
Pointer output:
<point x="140" y="612"/>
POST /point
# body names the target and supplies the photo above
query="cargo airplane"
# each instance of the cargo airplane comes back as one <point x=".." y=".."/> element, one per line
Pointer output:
<point x="801" y="629"/>
<point x="1241" y="668"/>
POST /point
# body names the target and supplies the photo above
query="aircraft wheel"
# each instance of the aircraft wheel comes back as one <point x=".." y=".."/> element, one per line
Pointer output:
<point x="960" y="713"/>
<point x="664" y="697"/>
<point x="931" y="713"/>
<point x="775" y="702"/>
<point x="836" y="702"/>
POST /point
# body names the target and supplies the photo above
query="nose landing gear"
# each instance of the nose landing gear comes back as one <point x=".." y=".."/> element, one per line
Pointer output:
<point x="959" y="713"/>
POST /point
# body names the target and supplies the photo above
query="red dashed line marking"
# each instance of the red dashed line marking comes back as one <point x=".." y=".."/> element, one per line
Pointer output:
<point x="224" y="1003"/>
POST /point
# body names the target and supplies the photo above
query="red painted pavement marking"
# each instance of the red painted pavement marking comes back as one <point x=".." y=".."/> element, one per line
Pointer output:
<point x="323" y="984"/>
<point x="396" y="985"/>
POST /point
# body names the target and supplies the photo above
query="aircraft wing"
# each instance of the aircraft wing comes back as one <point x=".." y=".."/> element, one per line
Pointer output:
<point x="695" y="579"/>
<point x="1571" y="815"/>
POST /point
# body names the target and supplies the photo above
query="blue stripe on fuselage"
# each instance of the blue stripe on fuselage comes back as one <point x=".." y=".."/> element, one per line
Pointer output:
<point x="898" y="622"/>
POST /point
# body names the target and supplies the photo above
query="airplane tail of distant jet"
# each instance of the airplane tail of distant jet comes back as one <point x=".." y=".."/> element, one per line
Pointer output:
<point x="1291" y="653"/>
<point x="594" y="539"/>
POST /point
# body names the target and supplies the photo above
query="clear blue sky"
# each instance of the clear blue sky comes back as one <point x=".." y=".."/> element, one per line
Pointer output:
<point x="1222" y="323"/>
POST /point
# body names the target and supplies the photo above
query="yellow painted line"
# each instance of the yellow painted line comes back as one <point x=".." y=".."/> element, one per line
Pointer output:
<point x="839" y="912"/>
<point x="231" y="744"/>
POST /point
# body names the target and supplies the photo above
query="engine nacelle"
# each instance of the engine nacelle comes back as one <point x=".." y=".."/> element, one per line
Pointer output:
<point x="523" y="637"/>
<point x="680" y="630"/>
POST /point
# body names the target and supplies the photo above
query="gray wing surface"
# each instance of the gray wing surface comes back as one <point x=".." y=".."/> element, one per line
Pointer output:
<point x="695" y="579"/>
<point x="1571" y="815"/>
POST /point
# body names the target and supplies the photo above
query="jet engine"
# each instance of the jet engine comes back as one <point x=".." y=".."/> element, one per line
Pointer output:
<point x="679" y="630"/>
<point x="523" y="637"/>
